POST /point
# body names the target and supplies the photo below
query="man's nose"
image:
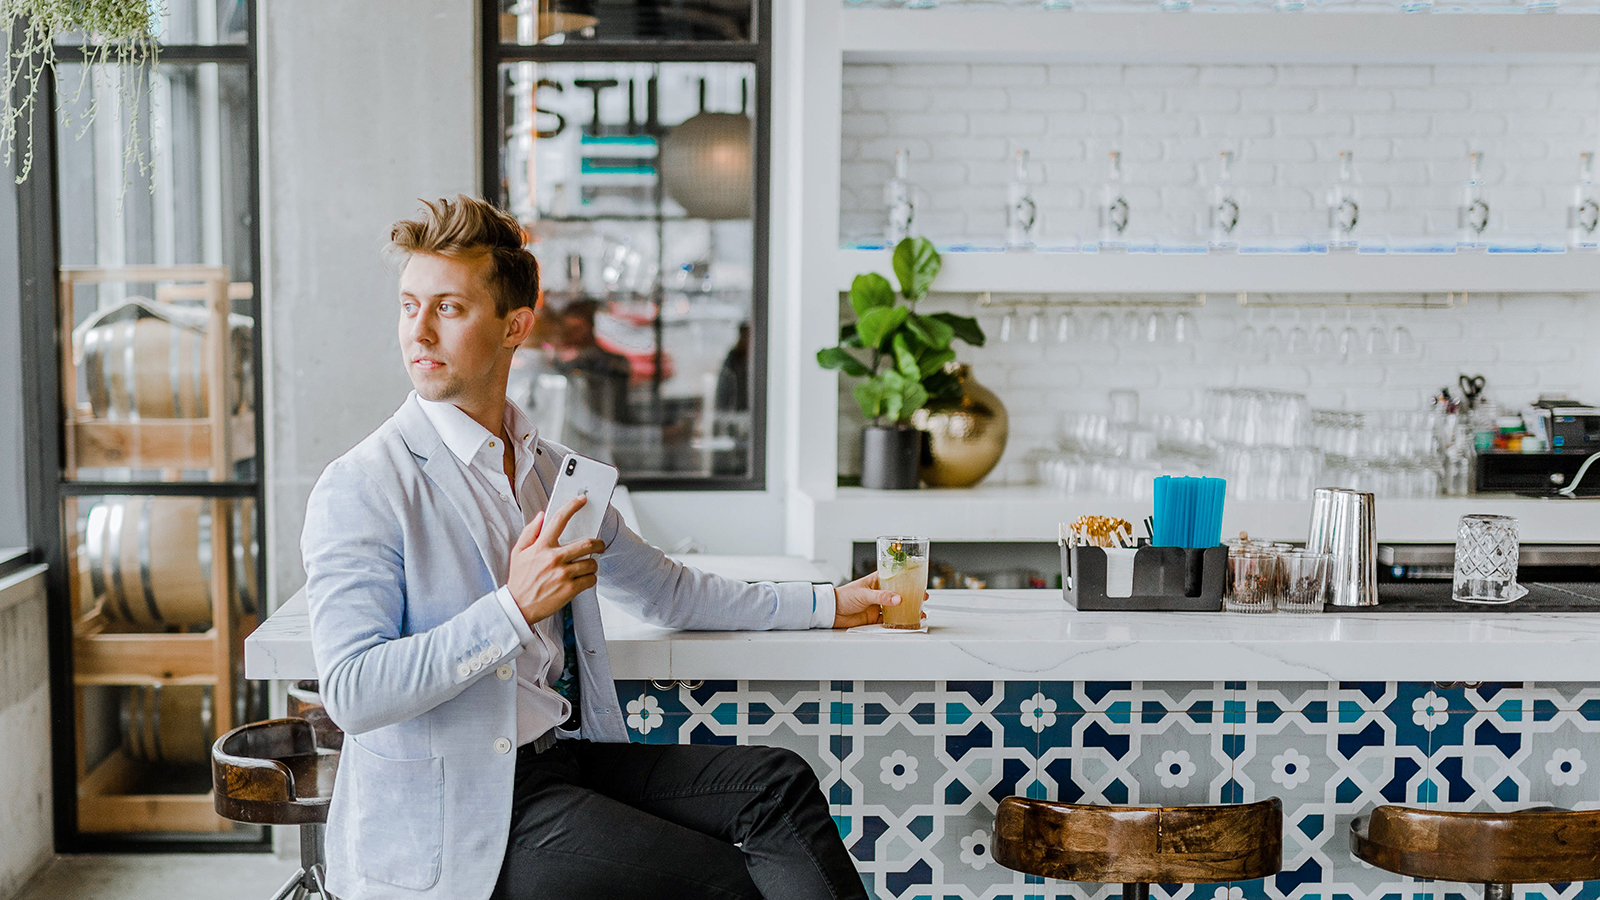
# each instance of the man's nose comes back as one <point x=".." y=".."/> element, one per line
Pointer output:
<point x="422" y="326"/>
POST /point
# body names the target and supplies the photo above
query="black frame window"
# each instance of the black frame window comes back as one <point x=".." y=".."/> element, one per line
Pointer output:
<point x="616" y="49"/>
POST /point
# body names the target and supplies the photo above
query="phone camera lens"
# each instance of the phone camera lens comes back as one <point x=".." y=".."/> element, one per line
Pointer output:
<point x="572" y="466"/>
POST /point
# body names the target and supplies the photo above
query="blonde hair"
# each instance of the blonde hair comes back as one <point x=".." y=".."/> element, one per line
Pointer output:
<point x="468" y="227"/>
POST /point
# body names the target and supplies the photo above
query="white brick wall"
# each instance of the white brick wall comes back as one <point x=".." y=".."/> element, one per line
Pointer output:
<point x="1409" y="126"/>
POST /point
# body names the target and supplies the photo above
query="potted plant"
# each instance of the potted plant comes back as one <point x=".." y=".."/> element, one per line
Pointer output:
<point x="900" y="355"/>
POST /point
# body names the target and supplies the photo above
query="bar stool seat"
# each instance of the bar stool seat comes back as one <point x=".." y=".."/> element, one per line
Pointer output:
<point x="272" y="773"/>
<point x="1532" y="846"/>
<point x="1138" y="846"/>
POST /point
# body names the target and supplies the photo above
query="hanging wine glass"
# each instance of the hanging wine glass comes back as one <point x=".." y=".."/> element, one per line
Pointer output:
<point x="1008" y="326"/>
<point x="1066" y="327"/>
<point x="1184" y="328"/>
<point x="1324" y="344"/>
<point x="1101" y="329"/>
<point x="1035" y="326"/>
<point x="1132" y="330"/>
<point x="1405" y="346"/>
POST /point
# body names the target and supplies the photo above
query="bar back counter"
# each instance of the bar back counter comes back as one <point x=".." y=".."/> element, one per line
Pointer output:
<point x="917" y="737"/>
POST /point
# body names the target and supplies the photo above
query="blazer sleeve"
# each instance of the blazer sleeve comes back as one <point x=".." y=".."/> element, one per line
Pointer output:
<point x="372" y="674"/>
<point x="662" y="591"/>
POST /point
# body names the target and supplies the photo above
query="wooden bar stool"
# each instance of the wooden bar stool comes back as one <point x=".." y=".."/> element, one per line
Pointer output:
<point x="271" y="773"/>
<point x="1137" y="846"/>
<point x="1497" y="850"/>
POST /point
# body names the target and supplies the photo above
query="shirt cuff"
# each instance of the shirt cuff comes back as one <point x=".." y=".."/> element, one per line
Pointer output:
<point x="514" y="613"/>
<point x="823" y="606"/>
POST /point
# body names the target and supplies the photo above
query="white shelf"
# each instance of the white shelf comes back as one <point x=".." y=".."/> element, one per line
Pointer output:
<point x="1161" y="273"/>
<point x="1031" y="513"/>
<point x="899" y="35"/>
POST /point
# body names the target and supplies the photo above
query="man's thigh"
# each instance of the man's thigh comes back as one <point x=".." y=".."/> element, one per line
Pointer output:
<point x="710" y="789"/>
<point x="569" y="841"/>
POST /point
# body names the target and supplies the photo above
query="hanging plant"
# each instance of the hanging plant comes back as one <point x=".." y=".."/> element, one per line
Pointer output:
<point x="118" y="37"/>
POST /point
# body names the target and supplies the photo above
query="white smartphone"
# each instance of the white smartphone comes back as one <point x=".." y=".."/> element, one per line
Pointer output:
<point x="580" y="476"/>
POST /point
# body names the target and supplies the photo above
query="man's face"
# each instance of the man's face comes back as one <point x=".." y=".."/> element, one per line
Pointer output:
<point x="454" y="346"/>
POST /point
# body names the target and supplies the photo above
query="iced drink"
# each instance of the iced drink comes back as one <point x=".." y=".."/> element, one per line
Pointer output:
<point x="903" y="569"/>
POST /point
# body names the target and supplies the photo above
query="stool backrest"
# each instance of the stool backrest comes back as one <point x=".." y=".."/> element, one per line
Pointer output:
<point x="1140" y="845"/>
<point x="1533" y="846"/>
<point x="272" y="773"/>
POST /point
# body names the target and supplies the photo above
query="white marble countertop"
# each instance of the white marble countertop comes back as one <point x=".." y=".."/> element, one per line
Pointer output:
<point x="1025" y="635"/>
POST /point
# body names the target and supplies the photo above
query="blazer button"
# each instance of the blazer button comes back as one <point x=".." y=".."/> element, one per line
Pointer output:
<point x="501" y="745"/>
<point x="463" y="670"/>
<point x="476" y="664"/>
<point x="504" y="672"/>
<point x="494" y="651"/>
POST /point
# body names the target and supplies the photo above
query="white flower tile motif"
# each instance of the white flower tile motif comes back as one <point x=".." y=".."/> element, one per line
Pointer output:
<point x="915" y="770"/>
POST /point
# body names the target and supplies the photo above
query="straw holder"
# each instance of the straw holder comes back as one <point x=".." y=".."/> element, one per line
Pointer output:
<point x="1164" y="578"/>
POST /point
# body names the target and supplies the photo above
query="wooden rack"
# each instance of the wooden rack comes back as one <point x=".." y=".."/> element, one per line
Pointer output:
<point x="106" y="653"/>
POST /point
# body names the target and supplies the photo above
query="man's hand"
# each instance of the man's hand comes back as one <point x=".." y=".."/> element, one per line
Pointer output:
<point x="545" y="575"/>
<point x="861" y="603"/>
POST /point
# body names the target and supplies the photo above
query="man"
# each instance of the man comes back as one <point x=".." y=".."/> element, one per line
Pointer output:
<point x="461" y="650"/>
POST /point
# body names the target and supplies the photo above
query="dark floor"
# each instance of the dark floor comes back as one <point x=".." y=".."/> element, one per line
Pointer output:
<point x="160" y="876"/>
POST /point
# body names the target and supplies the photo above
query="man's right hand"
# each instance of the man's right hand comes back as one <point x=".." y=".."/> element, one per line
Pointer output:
<point x="546" y="575"/>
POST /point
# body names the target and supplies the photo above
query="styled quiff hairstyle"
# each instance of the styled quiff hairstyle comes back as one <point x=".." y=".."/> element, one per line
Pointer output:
<point x="467" y="227"/>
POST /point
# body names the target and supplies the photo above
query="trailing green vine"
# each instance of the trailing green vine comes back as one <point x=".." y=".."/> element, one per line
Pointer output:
<point x="117" y="36"/>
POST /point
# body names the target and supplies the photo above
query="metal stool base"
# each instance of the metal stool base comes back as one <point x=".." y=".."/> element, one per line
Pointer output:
<point x="309" y="878"/>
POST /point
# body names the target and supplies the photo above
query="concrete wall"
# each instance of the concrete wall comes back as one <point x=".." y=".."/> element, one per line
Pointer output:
<point x="366" y="108"/>
<point x="13" y="499"/>
<point x="25" y="797"/>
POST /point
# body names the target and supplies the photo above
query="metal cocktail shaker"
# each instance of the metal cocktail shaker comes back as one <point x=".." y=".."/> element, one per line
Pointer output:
<point x="1342" y="525"/>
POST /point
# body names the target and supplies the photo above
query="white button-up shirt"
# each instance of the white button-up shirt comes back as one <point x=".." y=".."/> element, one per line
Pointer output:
<point x="505" y="512"/>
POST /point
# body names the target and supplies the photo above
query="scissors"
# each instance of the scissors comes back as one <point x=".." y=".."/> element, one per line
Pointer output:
<point x="1471" y="389"/>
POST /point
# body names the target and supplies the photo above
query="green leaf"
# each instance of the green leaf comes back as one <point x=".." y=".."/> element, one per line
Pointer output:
<point x="916" y="264"/>
<point x="869" y="394"/>
<point x="870" y="291"/>
<point x="905" y="358"/>
<point x="880" y="322"/>
<point x="934" y="361"/>
<point x="965" y="328"/>
<point x="901" y="396"/>
<point x="930" y="331"/>
<point x="837" y="358"/>
<point x="848" y="336"/>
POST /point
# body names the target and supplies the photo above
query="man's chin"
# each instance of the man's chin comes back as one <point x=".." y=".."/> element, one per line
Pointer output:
<point x="437" y="391"/>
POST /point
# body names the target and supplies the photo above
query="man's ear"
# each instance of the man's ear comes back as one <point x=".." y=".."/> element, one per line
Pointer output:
<point x="519" y="326"/>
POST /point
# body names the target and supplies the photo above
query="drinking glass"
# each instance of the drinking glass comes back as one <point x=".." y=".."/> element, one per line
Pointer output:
<point x="1486" y="560"/>
<point x="1184" y="330"/>
<point x="1305" y="577"/>
<point x="1101" y="329"/>
<point x="1066" y="327"/>
<point x="903" y="569"/>
<point x="1254" y="583"/>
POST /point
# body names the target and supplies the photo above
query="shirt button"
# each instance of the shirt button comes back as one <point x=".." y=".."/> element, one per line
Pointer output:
<point x="504" y="672"/>
<point x="491" y="443"/>
<point x="506" y="497"/>
<point x="501" y="745"/>
<point x="463" y="670"/>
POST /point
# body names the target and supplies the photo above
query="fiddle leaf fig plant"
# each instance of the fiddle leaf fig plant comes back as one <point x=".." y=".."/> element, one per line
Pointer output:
<point x="899" y="353"/>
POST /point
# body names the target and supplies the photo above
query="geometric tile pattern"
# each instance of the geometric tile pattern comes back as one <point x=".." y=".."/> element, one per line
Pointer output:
<point x="914" y="770"/>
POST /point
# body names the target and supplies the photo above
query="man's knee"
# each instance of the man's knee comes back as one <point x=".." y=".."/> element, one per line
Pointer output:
<point x="781" y="766"/>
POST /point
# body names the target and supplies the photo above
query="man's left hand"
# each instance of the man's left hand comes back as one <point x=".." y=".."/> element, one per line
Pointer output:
<point x="860" y="602"/>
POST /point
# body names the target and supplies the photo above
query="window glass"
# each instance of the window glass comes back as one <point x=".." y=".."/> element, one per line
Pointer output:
<point x="570" y="21"/>
<point x="635" y="183"/>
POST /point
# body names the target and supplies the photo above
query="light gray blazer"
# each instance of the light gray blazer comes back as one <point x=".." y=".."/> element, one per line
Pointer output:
<point x="410" y="640"/>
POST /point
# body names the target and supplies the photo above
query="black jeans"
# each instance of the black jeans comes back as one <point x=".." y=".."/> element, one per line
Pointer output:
<point x="661" y="821"/>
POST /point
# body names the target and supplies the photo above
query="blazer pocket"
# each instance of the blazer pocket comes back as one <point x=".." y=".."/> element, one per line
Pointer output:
<point x="399" y="817"/>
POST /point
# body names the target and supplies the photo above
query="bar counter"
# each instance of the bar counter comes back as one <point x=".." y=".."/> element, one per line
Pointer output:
<point x="1012" y="635"/>
<point x="916" y="737"/>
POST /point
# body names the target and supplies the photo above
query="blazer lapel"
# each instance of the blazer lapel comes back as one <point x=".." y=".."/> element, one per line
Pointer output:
<point x="444" y="470"/>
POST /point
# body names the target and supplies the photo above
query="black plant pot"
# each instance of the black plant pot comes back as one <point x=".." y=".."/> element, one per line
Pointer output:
<point x="890" y="456"/>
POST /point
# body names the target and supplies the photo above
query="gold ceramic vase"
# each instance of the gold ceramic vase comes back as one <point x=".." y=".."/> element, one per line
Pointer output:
<point x="965" y="437"/>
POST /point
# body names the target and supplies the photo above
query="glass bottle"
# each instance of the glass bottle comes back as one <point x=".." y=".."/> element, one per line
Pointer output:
<point x="1113" y="206"/>
<point x="1472" y="216"/>
<point x="1224" y="206"/>
<point x="1021" y="212"/>
<point x="899" y="194"/>
<point x="1584" y="213"/>
<point x="1344" y="205"/>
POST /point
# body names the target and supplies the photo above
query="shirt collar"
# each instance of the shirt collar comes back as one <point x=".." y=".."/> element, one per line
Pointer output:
<point x="465" y="437"/>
